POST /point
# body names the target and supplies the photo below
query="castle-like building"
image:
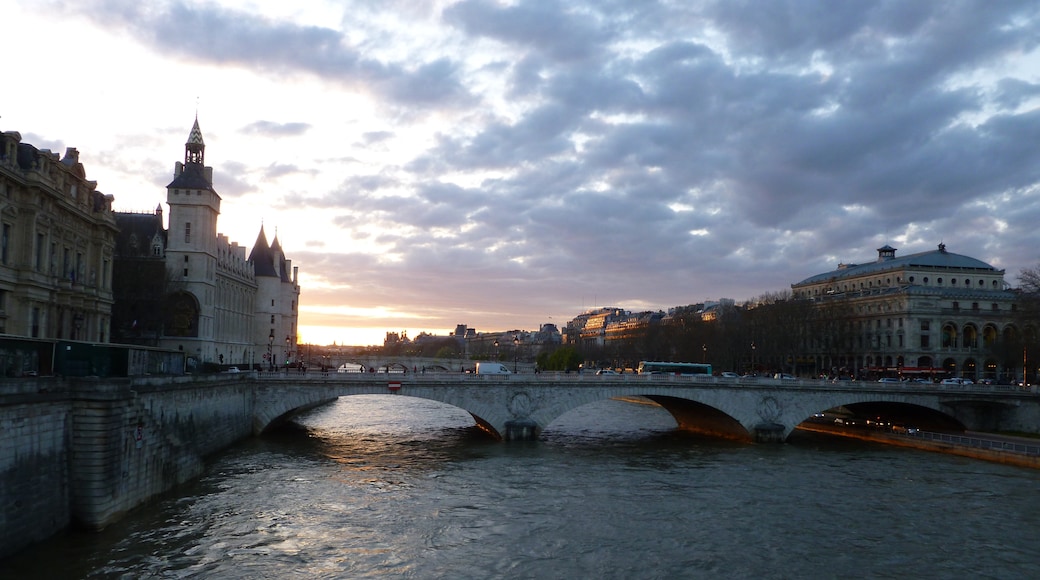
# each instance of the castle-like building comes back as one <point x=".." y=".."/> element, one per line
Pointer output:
<point x="189" y="288"/>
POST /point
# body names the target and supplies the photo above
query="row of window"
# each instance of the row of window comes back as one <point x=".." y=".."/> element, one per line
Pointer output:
<point x="73" y="266"/>
<point x="954" y="282"/>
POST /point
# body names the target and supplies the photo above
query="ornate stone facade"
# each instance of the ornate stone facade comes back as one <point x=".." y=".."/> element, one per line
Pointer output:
<point x="57" y="238"/>
<point x="925" y="315"/>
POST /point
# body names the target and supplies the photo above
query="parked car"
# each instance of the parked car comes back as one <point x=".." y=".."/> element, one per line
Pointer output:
<point x="888" y="380"/>
<point x="729" y="375"/>
<point x="233" y="370"/>
<point x="785" y="376"/>
<point x="606" y="372"/>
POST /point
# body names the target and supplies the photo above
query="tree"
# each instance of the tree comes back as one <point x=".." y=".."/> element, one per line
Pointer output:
<point x="566" y="358"/>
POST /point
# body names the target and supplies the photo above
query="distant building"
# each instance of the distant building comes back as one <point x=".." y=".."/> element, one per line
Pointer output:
<point x="191" y="289"/>
<point x="57" y="238"/>
<point x="925" y="314"/>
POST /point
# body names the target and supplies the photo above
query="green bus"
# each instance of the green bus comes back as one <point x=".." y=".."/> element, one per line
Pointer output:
<point x="673" y="368"/>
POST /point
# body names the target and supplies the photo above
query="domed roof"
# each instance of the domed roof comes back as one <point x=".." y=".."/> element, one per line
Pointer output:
<point x="887" y="261"/>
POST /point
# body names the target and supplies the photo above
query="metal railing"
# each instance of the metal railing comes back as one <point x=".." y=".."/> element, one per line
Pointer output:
<point x="978" y="442"/>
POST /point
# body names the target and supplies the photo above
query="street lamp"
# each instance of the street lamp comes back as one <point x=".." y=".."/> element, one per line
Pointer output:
<point x="270" y="355"/>
<point x="287" y="353"/>
<point x="516" y="351"/>
<point x="753" y="347"/>
<point x="704" y="353"/>
<point x="496" y="349"/>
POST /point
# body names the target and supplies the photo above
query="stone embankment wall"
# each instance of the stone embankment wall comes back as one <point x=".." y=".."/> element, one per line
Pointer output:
<point x="82" y="452"/>
<point x="34" y="461"/>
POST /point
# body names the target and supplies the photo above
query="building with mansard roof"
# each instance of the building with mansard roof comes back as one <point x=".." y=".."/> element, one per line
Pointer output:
<point x="928" y="314"/>
<point x="190" y="288"/>
<point x="57" y="236"/>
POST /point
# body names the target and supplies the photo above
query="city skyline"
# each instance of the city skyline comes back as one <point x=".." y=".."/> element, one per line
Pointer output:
<point x="504" y="166"/>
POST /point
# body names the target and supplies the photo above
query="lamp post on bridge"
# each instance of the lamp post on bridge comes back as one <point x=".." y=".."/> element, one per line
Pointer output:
<point x="270" y="354"/>
<point x="516" y="351"/>
<point x="287" y="354"/>
<point x="496" y="349"/>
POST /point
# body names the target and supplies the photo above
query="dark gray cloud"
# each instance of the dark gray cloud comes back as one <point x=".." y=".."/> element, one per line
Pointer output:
<point x="208" y="33"/>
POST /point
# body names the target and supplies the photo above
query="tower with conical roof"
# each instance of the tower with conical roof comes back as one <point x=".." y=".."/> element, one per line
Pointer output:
<point x="191" y="253"/>
<point x="277" y="300"/>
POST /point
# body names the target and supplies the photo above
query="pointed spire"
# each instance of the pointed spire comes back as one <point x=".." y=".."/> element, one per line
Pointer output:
<point x="195" y="148"/>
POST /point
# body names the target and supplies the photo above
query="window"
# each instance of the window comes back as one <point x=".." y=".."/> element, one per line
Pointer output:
<point x="272" y="319"/>
<point x="187" y="232"/>
<point x="975" y="306"/>
<point x="38" y="265"/>
<point x="956" y="305"/>
<point x="994" y="307"/>
<point x="924" y="326"/>
<point x="924" y="341"/>
<point x="5" y="239"/>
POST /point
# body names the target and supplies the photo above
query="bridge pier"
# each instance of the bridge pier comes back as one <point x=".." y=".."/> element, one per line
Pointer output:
<point x="522" y="430"/>
<point x="769" y="433"/>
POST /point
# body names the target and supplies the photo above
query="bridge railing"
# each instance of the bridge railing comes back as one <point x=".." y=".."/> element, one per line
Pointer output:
<point x="979" y="443"/>
<point x="599" y="380"/>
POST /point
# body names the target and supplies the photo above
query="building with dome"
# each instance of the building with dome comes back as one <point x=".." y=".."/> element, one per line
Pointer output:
<point x="926" y="315"/>
<point x="188" y="287"/>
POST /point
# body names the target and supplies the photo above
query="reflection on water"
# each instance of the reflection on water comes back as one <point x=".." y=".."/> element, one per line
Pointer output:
<point x="379" y="486"/>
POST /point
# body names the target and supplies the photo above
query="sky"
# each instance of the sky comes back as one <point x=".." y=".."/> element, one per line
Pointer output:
<point x="509" y="164"/>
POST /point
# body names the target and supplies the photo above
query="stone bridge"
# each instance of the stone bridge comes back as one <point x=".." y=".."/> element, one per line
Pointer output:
<point x="519" y="407"/>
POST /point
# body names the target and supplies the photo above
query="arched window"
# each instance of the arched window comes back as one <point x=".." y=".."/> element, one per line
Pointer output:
<point x="989" y="336"/>
<point x="970" y="336"/>
<point x="949" y="336"/>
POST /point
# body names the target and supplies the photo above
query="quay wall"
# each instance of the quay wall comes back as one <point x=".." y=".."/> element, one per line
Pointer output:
<point x="81" y="452"/>
<point x="34" y="462"/>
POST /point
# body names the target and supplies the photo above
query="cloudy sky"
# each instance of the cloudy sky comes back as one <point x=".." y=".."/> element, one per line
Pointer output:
<point x="507" y="164"/>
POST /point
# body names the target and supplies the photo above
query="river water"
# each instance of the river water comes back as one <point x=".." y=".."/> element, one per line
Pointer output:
<point x="391" y="486"/>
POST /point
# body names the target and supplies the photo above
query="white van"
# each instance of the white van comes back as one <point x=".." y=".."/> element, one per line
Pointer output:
<point x="492" y="368"/>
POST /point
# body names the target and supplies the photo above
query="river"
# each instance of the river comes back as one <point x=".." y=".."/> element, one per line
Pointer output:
<point x="390" y="486"/>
